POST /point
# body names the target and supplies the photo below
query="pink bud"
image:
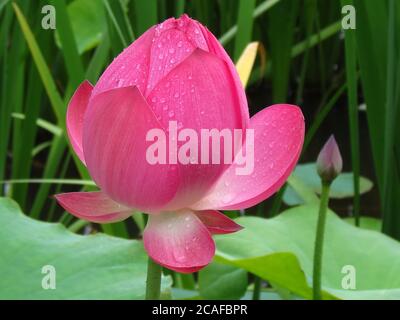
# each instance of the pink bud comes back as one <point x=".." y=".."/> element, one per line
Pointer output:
<point x="329" y="162"/>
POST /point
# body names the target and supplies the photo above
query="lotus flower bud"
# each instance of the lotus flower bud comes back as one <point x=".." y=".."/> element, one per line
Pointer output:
<point x="329" y="162"/>
<point x="176" y="76"/>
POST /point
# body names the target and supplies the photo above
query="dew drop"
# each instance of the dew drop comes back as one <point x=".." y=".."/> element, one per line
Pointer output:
<point x="271" y="166"/>
<point x="171" y="113"/>
<point x="154" y="99"/>
<point x="171" y="50"/>
<point x="160" y="56"/>
<point x="172" y="61"/>
<point x="227" y="198"/>
<point x="162" y="100"/>
<point x="176" y="95"/>
<point x="180" y="44"/>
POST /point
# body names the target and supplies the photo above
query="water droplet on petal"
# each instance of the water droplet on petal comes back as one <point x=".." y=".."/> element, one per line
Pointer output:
<point x="171" y="50"/>
<point x="171" y="113"/>
<point x="227" y="198"/>
<point x="271" y="166"/>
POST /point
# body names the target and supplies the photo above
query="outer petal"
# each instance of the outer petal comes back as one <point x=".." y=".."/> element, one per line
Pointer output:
<point x="217" y="223"/>
<point x="278" y="140"/>
<point x="178" y="241"/>
<point x="75" y="114"/>
<point x="114" y="143"/>
<point x="130" y="68"/>
<point x="198" y="94"/>
<point x="93" y="206"/>
<point x="215" y="47"/>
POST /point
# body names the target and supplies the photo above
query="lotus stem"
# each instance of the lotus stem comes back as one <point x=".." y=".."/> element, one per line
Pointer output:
<point x="319" y="241"/>
<point x="153" y="282"/>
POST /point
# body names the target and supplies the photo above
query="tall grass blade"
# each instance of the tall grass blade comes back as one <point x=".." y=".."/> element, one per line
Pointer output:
<point x="245" y="26"/>
<point x="351" y="75"/>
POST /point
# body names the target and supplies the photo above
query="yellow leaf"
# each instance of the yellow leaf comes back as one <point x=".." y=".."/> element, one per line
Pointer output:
<point x="246" y="62"/>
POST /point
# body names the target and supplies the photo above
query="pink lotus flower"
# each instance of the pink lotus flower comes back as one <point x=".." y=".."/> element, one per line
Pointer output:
<point x="175" y="71"/>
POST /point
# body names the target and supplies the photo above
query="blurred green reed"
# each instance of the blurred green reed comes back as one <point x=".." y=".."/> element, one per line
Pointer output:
<point x="304" y="47"/>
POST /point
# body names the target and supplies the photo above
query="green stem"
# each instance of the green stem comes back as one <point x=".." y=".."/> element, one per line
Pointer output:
<point x="257" y="288"/>
<point x="153" y="282"/>
<point x="319" y="241"/>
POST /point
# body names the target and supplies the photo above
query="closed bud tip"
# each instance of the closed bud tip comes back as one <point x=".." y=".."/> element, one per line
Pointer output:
<point x="329" y="162"/>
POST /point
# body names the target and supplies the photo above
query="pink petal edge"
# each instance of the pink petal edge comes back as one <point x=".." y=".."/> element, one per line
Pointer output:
<point x="217" y="223"/>
<point x="93" y="206"/>
<point x="75" y="115"/>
